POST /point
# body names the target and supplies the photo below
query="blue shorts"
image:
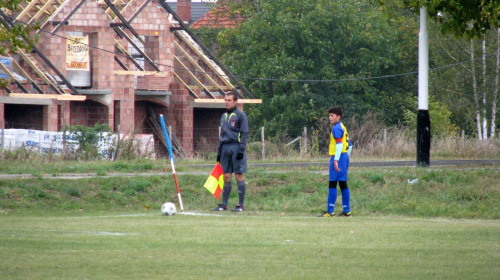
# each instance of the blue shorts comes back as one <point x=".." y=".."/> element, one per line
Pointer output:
<point x="343" y="165"/>
<point x="228" y="160"/>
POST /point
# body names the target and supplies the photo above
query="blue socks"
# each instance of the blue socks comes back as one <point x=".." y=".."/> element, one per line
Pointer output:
<point x="346" y="197"/>
<point x="332" y="197"/>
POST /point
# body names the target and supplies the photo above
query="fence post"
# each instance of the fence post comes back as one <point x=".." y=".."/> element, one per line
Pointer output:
<point x="117" y="152"/>
<point x="385" y="136"/>
<point x="304" y="136"/>
<point x="63" y="152"/>
<point x="263" y="143"/>
<point x="3" y="139"/>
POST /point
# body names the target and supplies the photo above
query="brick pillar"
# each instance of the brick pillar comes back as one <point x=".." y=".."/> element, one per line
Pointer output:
<point x="180" y="117"/>
<point x="50" y="117"/>
<point x="64" y="114"/>
<point x="184" y="10"/>
<point x="2" y="112"/>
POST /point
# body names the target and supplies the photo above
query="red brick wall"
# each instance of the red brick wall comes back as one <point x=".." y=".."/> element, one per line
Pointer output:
<point x="152" y="83"/>
<point x="180" y="117"/>
<point x="64" y="114"/>
<point x="184" y="10"/>
<point x="88" y="113"/>
<point x="122" y="110"/>
<point x="50" y="117"/>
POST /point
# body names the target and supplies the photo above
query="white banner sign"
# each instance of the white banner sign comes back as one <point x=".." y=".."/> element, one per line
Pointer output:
<point x="77" y="53"/>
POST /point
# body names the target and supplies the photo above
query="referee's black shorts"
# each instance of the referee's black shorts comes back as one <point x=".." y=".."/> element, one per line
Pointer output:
<point x="228" y="160"/>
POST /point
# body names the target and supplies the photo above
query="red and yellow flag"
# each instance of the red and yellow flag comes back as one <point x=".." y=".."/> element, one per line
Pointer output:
<point x="215" y="182"/>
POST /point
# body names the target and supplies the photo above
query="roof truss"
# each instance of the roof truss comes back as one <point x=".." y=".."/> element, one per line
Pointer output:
<point x="26" y="13"/>
<point x="194" y="65"/>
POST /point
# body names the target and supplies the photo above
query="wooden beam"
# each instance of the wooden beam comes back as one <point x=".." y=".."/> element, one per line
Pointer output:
<point x="41" y="11"/>
<point x="66" y="97"/>
<point x="141" y="73"/>
<point x="204" y="58"/>
<point x="27" y="9"/>
<point x="25" y="75"/>
<point x="7" y="71"/>
<point x="37" y="70"/>
<point x="212" y="88"/>
<point x="186" y="85"/>
<point x="196" y="65"/>
<point x="200" y="84"/>
<point x="220" y="101"/>
<point x="127" y="54"/>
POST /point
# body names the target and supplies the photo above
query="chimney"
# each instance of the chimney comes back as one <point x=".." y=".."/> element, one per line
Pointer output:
<point x="184" y="10"/>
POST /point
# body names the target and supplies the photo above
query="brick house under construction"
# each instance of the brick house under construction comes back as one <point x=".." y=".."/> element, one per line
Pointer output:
<point x="141" y="61"/>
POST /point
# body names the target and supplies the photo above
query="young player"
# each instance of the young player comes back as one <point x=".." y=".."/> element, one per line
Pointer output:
<point x="339" y="150"/>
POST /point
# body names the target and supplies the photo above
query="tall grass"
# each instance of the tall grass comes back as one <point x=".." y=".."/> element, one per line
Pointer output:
<point x="396" y="143"/>
<point x="416" y="192"/>
<point x="371" y="140"/>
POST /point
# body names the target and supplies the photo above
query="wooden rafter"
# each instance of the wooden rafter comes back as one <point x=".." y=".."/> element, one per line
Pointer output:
<point x="186" y="85"/>
<point x="25" y="75"/>
<point x="127" y="54"/>
<point x="197" y="66"/>
<point x="11" y="76"/>
<point x="204" y="58"/>
<point x="46" y="8"/>
<point x="26" y="10"/>
<point x="51" y="96"/>
<point x="195" y="79"/>
<point x="140" y="73"/>
<point x="40" y="71"/>
<point x="221" y="101"/>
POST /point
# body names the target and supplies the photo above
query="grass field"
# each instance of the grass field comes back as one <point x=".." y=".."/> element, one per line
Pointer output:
<point x="446" y="225"/>
<point x="246" y="246"/>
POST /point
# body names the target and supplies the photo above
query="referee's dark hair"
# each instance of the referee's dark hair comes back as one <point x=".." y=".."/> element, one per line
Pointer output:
<point x="235" y="96"/>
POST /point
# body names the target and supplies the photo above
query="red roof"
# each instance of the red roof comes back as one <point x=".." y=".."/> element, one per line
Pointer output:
<point x="216" y="18"/>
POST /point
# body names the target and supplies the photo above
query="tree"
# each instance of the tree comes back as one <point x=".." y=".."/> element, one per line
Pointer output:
<point x="469" y="18"/>
<point x="470" y="87"/>
<point x="17" y="35"/>
<point x="302" y="56"/>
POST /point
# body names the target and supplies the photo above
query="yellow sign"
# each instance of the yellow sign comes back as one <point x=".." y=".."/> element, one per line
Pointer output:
<point x="77" y="53"/>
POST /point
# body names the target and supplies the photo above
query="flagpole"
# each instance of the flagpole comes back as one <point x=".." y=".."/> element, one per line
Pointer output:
<point x="171" y="154"/>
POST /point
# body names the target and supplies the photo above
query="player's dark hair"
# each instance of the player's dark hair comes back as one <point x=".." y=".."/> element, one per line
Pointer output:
<point x="337" y="110"/>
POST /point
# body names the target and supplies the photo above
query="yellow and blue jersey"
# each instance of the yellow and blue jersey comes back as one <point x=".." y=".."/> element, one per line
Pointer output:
<point x="339" y="134"/>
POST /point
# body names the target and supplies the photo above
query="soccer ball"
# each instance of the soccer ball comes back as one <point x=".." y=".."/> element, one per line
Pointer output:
<point x="168" y="209"/>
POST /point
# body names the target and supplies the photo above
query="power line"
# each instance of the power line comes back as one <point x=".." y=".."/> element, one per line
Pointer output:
<point x="282" y="80"/>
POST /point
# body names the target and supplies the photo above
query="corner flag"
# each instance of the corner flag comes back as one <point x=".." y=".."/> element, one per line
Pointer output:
<point x="215" y="182"/>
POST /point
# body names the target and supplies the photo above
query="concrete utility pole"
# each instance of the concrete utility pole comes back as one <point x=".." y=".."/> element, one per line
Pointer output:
<point x="423" y="119"/>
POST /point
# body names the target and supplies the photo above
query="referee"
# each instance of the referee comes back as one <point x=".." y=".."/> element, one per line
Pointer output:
<point x="231" y="151"/>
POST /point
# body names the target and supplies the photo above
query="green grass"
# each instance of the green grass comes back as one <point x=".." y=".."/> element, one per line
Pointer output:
<point x="454" y="193"/>
<point x="446" y="225"/>
<point x="249" y="245"/>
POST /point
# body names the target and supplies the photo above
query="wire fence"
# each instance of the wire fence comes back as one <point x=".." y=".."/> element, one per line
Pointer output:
<point x="109" y="145"/>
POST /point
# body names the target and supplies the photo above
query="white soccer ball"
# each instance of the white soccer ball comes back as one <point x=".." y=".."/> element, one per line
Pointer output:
<point x="168" y="209"/>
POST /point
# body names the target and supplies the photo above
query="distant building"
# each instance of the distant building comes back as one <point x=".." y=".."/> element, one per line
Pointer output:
<point x="140" y="61"/>
<point x="198" y="9"/>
